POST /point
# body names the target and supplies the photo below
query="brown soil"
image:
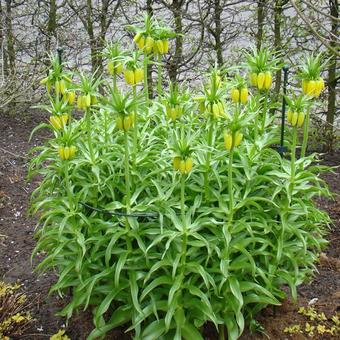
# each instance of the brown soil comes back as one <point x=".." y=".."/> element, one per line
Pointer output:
<point x="17" y="243"/>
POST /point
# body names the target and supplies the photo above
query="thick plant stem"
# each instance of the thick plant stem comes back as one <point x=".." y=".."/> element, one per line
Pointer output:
<point x="184" y="239"/>
<point x="127" y="173"/>
<point x="256" y="129"/>
<point x="305" y="133"/>
<point x="89" y="133"/>
<point x="230" y="186"/>
<point x="135" y="130"/>
<point x="68" y="184"/>
<point x="106" y="135"/>
<point x="159" y="75"/>
<point x="221" y="335"/>
<point x="146" y="87"/>
<point x="292" y="160"/>
<point x="183" y="199"/>
<point x="115" y="82"/>
<point x="127" y="188"/>
<point x="208" y="158"/>
<point x="264" y="116"/>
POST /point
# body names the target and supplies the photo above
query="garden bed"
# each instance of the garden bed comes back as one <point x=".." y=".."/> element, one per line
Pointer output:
<point x="17" y="243"/>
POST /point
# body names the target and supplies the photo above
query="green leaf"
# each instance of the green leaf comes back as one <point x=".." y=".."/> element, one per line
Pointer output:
<point x="190" y="332"/>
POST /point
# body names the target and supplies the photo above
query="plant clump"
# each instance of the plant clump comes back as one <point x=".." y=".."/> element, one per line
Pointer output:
<point x="164" y="214"/>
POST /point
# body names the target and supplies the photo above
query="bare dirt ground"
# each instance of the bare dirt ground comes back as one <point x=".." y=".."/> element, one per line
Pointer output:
<point x="17" y="242"/>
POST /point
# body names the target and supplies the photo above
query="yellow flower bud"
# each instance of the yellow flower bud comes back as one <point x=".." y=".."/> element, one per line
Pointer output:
<point x="215" y="110"/>
<point x="244" y="95"/>
<point x="173" y="114"/>
<point x="139" y="75"/>
<point x="141" y="42"/>
<point x="63" y="119"/>
<point x="165" y="46"/>
<point x="94" y="100"/>
<point x="62" y="86"/>
<point x="160" y="47"/>
<point x="289" y="116"/>
<point x="253" y="79"/>
<point x="129" y="76"/>
<point x="127" y="123"/>
<point x="137" y="37"/>
<point x="119" y="68"/>
<point x="319" y="86"/>
<point x="176" y="162"/>
<point x="119" y="123"/>
<point x="110" y="67"/>
<point x="238" y="138"/>
<point x="304" y="86"/>
<point x="61" y="152"/>
<point x="71" y="97"/>
<point x="311" y="88"/>
<point x="66" y="152"/>
<point x="228" y="140"/>
<point x="149" y="42"/>
<point x="182" y="166"/>
<point x="188" y="165"/>
<point x="73" y="150"/>
<point x="294" y="118"/>
<point x="56" y="122"/>
<point x="301" y="119"/>
<point x="260" y="80"/>
<point x="87" y="100"/>
<point x="268" y="79"/>
<point x="235" y="95"/>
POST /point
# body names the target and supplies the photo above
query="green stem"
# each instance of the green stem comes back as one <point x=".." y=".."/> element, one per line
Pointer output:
<point x="208" y="158"/>
<point x="230" y="185"/>
<point x="89" y="133"/>
<point x="256" y="131"/>
<point x="184" y="240"/>
<point x="135" y="130"/>
<point x="159" y="75"/>
<point x="127" y="188"/>
<point x="292" y="160"/>
<point x="221" y="335"/>
<point x="264" y="116"/>
<point x="183" y="199"/>
<point x="68" y="184"/>
<point x="305" y="133"/>
<point x="115" y="82"/>
<point x="106" y="136"/>
<point x="127" y="173"/>
<point x="146" y="87"/>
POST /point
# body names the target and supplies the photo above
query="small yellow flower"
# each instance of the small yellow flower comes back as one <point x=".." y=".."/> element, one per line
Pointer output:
<point x="321" y="329"/>
<point x="18" y="318"/>
<point x="292" y="329"/>
<point x="60" y="336"/>
<point x="302" y="310"/>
